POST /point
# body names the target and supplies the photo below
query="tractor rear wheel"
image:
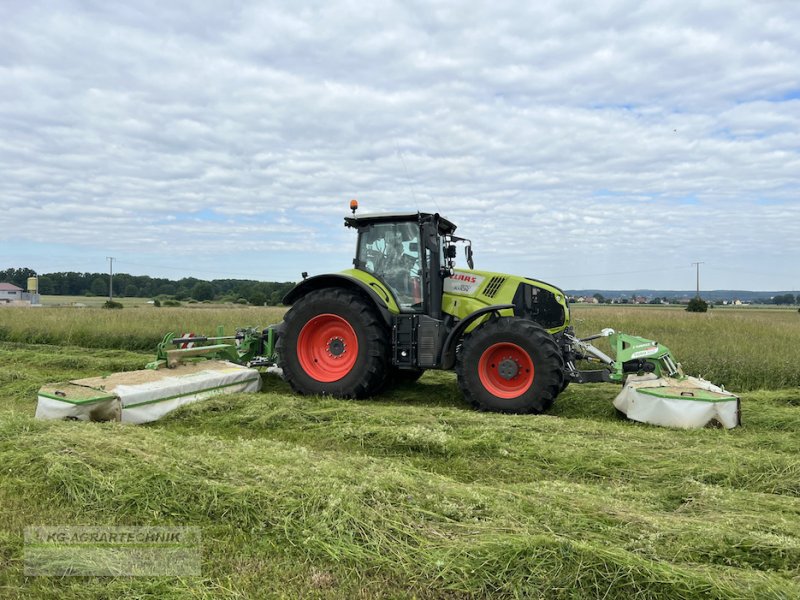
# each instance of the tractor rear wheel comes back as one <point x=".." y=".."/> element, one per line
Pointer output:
<point x="510" y="365"/>
<point x="334" y="342"/>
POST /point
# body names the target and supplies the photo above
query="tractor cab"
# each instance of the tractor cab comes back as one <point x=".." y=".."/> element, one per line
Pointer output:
<point x="406" y="252"/>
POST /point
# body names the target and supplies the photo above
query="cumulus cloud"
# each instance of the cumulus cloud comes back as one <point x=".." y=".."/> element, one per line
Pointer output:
<point x="603" y="145"/>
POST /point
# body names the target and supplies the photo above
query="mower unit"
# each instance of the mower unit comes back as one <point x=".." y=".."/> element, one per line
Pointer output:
<point x="186" y="370"/>
<point x="655" y="389"/>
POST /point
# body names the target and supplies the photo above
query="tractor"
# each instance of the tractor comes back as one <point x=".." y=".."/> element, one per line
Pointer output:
<point x="404" y="308"/>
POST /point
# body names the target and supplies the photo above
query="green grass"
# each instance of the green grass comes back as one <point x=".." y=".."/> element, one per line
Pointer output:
<point x="130" y="329"/>
<point x="742" y="349"/>
<point x="409" y="494"/>
<point x="93" y="301"/>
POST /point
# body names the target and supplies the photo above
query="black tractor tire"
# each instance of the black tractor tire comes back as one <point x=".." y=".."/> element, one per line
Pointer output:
<point x="334" y="342"/>
<point x="510" y="365"/>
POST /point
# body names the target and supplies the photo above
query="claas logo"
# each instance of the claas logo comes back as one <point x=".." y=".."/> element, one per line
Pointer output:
<point x="464" y="277"/>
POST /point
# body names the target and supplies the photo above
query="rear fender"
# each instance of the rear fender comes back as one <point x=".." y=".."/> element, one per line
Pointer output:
<point x="382" y="302"/>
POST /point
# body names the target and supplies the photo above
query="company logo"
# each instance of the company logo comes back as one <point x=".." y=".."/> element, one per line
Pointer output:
<point x="462" y="283"/>
<point x="648" y="352"/>
<point x="464" y="277"/>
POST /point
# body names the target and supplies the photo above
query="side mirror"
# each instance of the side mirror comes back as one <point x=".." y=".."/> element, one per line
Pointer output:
<point x="468" y="252"/>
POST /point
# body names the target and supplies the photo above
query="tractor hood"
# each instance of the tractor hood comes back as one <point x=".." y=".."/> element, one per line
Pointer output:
<point x="467" y="290"/>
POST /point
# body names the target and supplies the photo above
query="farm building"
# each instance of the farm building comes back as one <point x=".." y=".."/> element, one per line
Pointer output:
<point x="11" y="295"/>
<point x="9" y="292"/>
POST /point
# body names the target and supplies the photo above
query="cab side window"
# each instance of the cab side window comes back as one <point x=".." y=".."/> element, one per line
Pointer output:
<point x="391" y="252"/>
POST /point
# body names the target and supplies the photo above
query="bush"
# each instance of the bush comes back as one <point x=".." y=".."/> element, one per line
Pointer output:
<point x="156" y="302"/>
<point x="170" y="303"/>
<point x="697" y="305"/>
<point x="112" y="304"/>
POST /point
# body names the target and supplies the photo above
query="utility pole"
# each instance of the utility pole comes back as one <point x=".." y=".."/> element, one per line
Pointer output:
<point x="697" y="264"/>
<point x="110" y="260"/>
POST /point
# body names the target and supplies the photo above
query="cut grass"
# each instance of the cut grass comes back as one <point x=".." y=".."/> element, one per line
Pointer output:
<point x="412" y="493"/>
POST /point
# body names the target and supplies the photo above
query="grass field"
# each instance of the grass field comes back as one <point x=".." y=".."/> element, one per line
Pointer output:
<point x="743" y="349"/>
<point x="91" y="301"/>
<point x="413" y="493"/>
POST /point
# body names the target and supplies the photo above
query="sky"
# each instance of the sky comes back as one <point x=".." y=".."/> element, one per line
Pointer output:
<point x="604" y="145"/>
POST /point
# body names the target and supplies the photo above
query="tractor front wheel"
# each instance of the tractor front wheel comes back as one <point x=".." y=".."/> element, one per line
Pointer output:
<point x="333" y="342"/>
<point x="510" y="365"/>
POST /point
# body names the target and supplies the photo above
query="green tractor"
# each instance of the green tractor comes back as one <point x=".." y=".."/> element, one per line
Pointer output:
<point x="404" y="308"/>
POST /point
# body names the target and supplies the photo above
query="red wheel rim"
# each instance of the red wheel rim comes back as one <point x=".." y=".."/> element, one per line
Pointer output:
<point x="327" y="348"/>
<point x="506" y="370"/>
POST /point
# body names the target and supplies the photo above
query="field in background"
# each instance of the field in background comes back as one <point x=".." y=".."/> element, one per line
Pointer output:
<point x="413" y="492"/>
<point x="131" y="329"/>
<point x="743" y="349"/>
<point x="92" y="301"/>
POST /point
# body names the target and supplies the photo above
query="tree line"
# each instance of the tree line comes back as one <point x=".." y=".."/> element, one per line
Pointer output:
<point x="71" y="283"/>
<point x="780" y="299"/>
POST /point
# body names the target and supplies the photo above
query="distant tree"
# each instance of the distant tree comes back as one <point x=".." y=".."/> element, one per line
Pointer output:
<point x="45" y="285"/>
<point x="697" y="304"/>
<point x="131" y="290"/>
<point x="18" y="277"/>
<point x="783" y="299"/>
<point x="275" y="298"/>
<point x="257" y="299"/>
<point x="99" y="287"/>
<point x="203" y="290"/>
<point x="599" y="297"/>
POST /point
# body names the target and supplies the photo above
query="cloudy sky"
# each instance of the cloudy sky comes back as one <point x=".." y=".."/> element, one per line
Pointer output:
<point x="604" y="145"/>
